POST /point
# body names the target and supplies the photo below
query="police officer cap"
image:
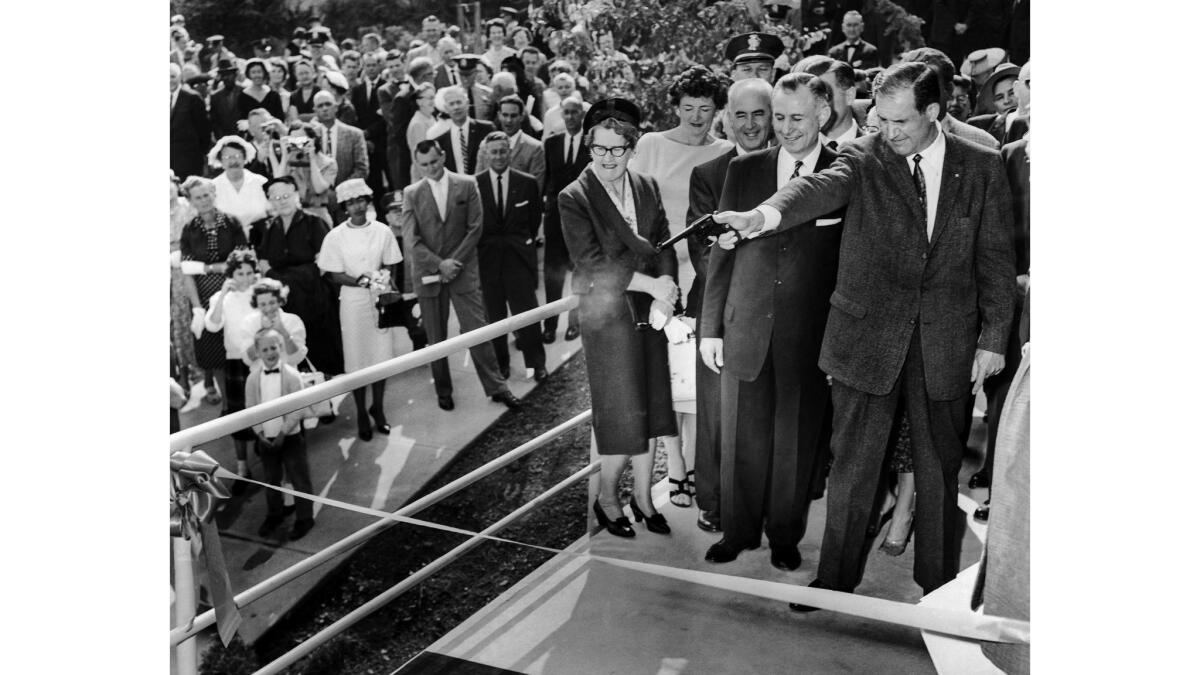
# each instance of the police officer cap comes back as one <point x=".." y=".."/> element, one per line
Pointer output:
<point x="753" y="47"/>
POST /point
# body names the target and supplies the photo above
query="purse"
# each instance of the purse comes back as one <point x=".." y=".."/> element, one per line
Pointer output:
<point x="310" y="378"/>
<point x="391" y="312"/>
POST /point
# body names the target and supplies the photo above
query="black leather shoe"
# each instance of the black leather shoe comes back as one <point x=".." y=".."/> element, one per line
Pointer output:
<point x="540" y="374"/>
<point x="300" y="528"/>
<point x="507" y="398"/>
<point x="618" y="528"/>
<point x="797" y="607"/>
<point x="269" y="525"/>
<point x="981" y="513"/>
<point x="364" y="429"/>
<point x="327" y="419"/>
<point x="572" y="333"/>
<point x="548" y="335"/>
<point x="723" y="552"/>
<point x="979" y="480"/>
<point x="504" y="372"/>
<point x="655" y="523"/>
<point x="381" y="424"/>
<point x="446" y="402"/>
<point x="709" y="521"/>
<point x="786" y="558"/>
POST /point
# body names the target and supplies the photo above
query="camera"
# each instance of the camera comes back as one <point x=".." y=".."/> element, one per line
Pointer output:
<point x="300" y="143"/>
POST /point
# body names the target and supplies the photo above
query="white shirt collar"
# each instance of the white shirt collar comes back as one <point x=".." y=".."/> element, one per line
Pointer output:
<point x="493" y="174"/>
<point x="809" y="161"/>
<point x="936" y="151"/>
<point x="445" y="179"/>
<point x="512" y="140"/>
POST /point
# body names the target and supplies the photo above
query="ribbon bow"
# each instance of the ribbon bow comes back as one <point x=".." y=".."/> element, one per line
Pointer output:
<point x="193" y="475"/>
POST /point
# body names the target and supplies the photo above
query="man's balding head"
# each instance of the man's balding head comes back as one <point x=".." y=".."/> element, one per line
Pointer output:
<point x="750" y="112"/>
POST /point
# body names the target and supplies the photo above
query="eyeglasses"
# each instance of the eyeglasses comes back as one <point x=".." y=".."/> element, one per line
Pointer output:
<point x="282" y="198"/>
<point x="616" y="151"/>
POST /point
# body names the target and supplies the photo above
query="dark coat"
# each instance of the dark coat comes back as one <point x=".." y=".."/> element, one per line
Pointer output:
<point x="960" y="285"/>
<point x="506" y="246"/>
<point x="866" y="55"/>
<point x="558" y="176"/>
<point x="190" y="137"/>
<point x="1016" y="163"/>
<point x="704" y="194"/>
<point x="771" y="294"/>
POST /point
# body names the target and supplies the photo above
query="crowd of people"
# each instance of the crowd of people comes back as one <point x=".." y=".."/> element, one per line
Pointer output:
<point x="871" y="280"/>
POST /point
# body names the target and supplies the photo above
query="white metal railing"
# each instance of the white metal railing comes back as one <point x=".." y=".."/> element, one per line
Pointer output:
<point x="182" y="636"/>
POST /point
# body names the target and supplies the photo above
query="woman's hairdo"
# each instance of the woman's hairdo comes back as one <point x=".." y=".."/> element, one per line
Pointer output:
<point x="239" y="257"/>
<point x="699" y="82"/>
<point x="271" y="286"/>
<point x="624" y="129"/>
<point x="193" y="181"/>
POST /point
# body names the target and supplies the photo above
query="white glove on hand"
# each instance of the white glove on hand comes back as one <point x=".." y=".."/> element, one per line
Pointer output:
<point x="197" y="322"/>
<point x="677" y="331"/>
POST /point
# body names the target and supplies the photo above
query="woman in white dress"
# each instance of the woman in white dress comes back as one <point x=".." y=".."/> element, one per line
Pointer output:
<point x="239" y="192"/>
<point x="361" y="256"/>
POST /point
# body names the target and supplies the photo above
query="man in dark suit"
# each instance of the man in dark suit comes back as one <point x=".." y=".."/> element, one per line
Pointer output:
<point x="223" y="102"/>
<point x="190" y="138"/>
<point x="447" y="73"/>
<point x="364" y="96"/>
<point x="512" y="211"/>
<point x="565" y="159"/>
<point x="460" y="143"/>
<point x="922" y="309"/>
<point x="842" y="127"/>
<point x="527" y="155"/>
<point x="765" y="305"/>
<point x="749" y="114"/>
<point x="855" y="51"/>
<point x="442" y="220"/>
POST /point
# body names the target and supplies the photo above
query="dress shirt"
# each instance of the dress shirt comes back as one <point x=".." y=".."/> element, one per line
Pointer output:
<point x="512" y="140"/>
<point x="441" y="192"/>
<point x="784" y="167"/>
<point x="850" y="134"/>
<point x="568" y="139"/>
<point x="270" y="387"/>
<point x="932" y="160"/>
<point x="331" y="135"/>
<point x="460" y="153"/>
<point x="175" y="97"/>
<point x="504" y="183"/>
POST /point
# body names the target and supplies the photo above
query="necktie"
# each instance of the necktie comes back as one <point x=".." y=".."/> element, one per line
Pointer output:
<point x="571" y="152"/>
<point x="268" y="371"/>
<point x="500" y="194"/>
<point x="850" y="49"/>
<point x="454" y="75"/>
<point x="919" y="182"/>
<point x="796" y="171"/>
<point x="832" y="145"/>
<point x="462" y="145"/>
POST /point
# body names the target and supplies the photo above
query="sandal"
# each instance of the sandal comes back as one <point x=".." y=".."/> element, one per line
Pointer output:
<point x="681" y="496"/>
<point x="897" y="548"/>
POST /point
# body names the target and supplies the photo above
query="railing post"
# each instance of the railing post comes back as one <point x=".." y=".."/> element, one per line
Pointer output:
<point x="185" y="600"/>
<point x="593" y="483"/>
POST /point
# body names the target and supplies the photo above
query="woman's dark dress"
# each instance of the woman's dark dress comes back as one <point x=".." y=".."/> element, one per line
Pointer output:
<point x="210" y="248"/>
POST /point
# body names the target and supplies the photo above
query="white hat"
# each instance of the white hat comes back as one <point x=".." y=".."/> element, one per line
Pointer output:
<point x="214" y="155"/>
<point x="352" y="188"/>
<point x="337" y="79"/>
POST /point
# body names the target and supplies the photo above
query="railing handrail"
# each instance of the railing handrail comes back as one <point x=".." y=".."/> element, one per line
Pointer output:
<point x="362" y="611"/>
<point x="227" y="424"/>
<point x="209" y="617"/>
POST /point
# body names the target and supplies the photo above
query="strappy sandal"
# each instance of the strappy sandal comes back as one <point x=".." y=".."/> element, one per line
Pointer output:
<point x="681" y="495"/>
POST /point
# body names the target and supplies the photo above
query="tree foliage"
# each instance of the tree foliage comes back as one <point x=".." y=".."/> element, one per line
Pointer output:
<point x="240" y="21"/>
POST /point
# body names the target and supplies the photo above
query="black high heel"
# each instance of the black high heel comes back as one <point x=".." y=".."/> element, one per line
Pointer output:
<point x="655" y="523"/>
<point x="618" y="528"/>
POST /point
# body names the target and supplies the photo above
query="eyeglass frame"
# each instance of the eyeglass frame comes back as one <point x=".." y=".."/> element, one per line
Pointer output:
<point x="609" y="150"/>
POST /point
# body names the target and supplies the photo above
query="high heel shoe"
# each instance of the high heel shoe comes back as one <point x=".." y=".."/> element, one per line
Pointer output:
<point x="655" y="523"/>
<point x="619" y="527"/>
<point x="897" y="548"/>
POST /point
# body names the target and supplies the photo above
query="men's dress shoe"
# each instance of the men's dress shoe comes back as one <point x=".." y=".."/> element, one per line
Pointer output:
<point x="327" y="419"/>
<point x="269" y="524"/>
<point x="548" y="335"/>
<point x="364" y="432"/>
<point x="797" y="607"/>
<point x="981" y="513"/>
<point x="300" y="528"/>
<point x="979" y="480"/>
<point x="709" y="521"/>
<point x="504" y="372"/>
<point x="786" y="558"/>
<point x="723" y="552"/>
<point x="572" y="333"/>
<point x="507" y="398"/>
<point x="446" y="402"/>
<point x="540" y="374"/>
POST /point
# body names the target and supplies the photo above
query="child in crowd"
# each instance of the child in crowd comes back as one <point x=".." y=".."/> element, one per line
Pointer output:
<point x="281" y="444"/>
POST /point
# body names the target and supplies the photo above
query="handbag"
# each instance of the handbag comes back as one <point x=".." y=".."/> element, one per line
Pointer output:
<point x="310" y="378"/>
<point x="391" y="312"/>
<point x="681" y="358"/>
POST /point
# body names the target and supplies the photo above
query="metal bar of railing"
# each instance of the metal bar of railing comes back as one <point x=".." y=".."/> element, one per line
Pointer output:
<point x="227" y="424"/>
<point x="269" y="584"/>
<point x="362" y="611"/>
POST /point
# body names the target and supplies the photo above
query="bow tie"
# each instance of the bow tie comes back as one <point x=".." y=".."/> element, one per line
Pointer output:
<point x="268" y="371"/>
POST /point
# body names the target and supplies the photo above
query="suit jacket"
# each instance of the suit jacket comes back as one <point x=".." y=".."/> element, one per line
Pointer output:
<point x="866" y="55"/>
<point x="971" y="133"/>
<point x="704" y="195"/>
<point x="224" y="111"/>
<point x="289" y="384"/>
<point x="558" y="173"/>
<point x="476" y="130"/>
<point x="189" y="134"/>
<point x="429" y="239"/>
<point x="527" y="157"/>
<point x="960" y="284"/>
<point x="771" y="294"/>
<point x="441" y="76"/>
<point x="605" y="251"/>
<point x="352" y="161"/>
<point x="367" y="109"/>
<point x="993" y="123"/>
<point x="507" y="238"/>
<point x="1016" y="163"/>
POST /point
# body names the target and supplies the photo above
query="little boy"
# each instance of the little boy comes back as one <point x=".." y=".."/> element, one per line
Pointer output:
<point x="280" y="441"/>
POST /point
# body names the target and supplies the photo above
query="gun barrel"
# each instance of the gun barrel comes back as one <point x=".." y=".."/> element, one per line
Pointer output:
<point x="695" y="225"/>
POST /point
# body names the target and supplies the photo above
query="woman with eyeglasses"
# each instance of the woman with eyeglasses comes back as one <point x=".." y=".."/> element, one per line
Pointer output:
<point x="287" y="244"/>
<point x="611" y="219"/>
<point x="239" y="192"/>
<point x="669" y="157"/>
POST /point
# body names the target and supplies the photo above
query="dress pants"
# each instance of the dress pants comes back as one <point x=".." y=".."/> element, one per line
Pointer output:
<point x="769" y="434"/>
<point x="514" y="291"/>
<point x="555" y="264"/>
<point x="708" y="437"/>
<point x="468" y="307"/>
<point x="292" y="458"/>
<point x="996" y="387"/>
<point x="861" y="427"/>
